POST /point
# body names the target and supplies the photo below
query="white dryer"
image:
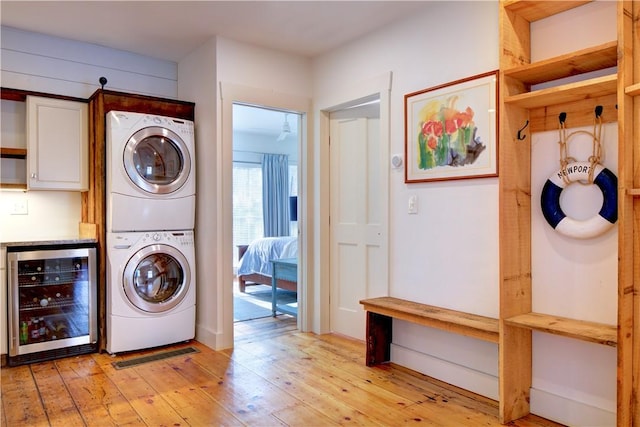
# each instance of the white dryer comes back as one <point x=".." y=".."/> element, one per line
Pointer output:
<point x="151" y="178"/>
<point x="151" y="289"/>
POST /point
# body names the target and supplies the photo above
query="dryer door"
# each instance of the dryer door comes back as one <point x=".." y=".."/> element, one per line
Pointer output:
<point x="157" y="278"/>
<point x="157" y="160"/>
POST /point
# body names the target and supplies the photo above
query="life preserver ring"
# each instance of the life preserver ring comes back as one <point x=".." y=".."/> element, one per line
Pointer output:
<point x="598" y="224"/>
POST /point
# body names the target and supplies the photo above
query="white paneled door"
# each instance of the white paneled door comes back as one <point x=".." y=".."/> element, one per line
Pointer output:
<point x="358" y="218"/>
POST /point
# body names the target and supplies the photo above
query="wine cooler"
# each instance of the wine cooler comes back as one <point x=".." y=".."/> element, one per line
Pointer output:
<point x="52" y="302"/>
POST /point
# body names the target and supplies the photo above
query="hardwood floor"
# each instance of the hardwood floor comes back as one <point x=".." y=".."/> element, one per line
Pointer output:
<point x="275" y="376"/>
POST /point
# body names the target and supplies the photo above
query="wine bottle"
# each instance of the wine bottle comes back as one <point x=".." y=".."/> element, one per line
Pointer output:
<point x="24" y="332"/>
<point x="43" y="328"/>
<point x="35" y="329"/>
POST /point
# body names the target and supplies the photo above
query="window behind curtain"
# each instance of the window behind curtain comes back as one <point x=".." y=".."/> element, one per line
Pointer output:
<point x="247" y="203"/>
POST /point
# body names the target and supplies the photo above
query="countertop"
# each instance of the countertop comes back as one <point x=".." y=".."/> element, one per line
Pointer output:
<point x="48" y="242"/>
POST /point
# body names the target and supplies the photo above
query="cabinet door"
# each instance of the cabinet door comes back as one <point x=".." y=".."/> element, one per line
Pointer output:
<point x="57" y="141"/>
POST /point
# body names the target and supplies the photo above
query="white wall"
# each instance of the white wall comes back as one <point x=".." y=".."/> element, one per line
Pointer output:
<point x="40" y="63"/>
<point x="35" y="62"/>
<point x="447" y="255"/>
<point x="213" y="76"/>
<point x="408" y="50"/>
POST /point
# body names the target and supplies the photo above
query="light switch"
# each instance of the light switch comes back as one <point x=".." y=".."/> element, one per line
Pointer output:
<point x="413" y="204"/>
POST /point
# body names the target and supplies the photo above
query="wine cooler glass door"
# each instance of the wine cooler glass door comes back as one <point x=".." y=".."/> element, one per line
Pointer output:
<point x="52" y="299"/>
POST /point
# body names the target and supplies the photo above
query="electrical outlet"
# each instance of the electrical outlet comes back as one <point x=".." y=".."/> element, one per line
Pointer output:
<point x="20" y="207"/>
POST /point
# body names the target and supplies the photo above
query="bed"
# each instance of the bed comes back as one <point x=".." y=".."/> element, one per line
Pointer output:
<point x="254" y="265"/>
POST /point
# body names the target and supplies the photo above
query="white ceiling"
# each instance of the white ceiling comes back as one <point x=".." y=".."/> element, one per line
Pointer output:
<point x="262" y="121"/>
<point x="170" y="30"/>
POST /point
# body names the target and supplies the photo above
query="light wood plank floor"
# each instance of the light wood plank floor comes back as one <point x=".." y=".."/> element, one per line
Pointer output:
<point x="275" y="376"/>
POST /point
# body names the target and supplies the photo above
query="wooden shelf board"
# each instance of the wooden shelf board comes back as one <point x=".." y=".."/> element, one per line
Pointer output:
<point x="545" y="118"/>
<point x="10" y="186"/>
<point x="485" y="328"/>
<point x="571" y="64"/>
<point x="598" y="333"/>
<point x="583" y="90"/>
<point x="633" y="192"/>
<point x="633" y="90"/>
<point x="534" y="11"/>
<point x="13" y="153"/>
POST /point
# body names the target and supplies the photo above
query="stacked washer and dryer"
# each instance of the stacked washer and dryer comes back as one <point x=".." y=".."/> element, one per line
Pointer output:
<point x="151" y="281"/>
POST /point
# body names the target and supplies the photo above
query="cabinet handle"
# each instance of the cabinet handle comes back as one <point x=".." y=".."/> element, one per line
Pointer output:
<point x="34" y="176"/>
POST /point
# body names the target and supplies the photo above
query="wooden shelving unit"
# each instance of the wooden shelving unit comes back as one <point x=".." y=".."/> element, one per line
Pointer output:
<point x="520" y="104"/>
<point x="629" y="214"/>
<point x="16" y="154"/>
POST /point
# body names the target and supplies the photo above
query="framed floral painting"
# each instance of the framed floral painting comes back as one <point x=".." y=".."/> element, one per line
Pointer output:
<point x="451" y="130"/>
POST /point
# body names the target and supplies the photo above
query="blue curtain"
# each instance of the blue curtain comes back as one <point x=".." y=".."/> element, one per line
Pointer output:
<point x="275" y="194"/>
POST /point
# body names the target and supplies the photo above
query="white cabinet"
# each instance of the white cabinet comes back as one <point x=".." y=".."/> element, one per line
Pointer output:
<point x="57" y="144"/>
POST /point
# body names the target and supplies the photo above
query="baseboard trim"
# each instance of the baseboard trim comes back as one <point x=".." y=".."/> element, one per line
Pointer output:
<point x="452" y="373"/>
<point x="569" y="412"/>
<point x="211" y="339"/>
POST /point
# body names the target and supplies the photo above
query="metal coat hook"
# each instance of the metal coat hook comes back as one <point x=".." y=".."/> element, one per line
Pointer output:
<point x="598" y="111"/>
<point x="520" y="135"/>
<point x="562" y="117"/>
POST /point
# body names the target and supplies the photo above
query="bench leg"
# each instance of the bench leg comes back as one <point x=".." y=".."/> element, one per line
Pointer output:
<point x="378" y="338"/>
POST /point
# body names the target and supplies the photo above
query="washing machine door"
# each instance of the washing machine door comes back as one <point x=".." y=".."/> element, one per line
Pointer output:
<point x="157" y="160"/>
<point x="157" y="278"/>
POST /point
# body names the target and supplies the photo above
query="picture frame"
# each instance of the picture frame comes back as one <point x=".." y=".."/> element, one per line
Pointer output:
<point x="451" y="130"/>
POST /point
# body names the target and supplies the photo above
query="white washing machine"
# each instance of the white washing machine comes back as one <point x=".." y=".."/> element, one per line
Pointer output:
<point x="151" y="177"/>
<point x="151" y="289"/>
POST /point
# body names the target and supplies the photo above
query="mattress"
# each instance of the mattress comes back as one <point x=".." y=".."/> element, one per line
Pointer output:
<point x="257" y="259"/>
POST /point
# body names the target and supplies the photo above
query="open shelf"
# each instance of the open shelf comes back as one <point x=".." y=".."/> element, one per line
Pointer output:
<point x="16" y="154"/>
<point x="571" y="64"/>
<point x="598" y="333"/>
<point x="633" y="90"/>
<point x="586" y="89"/>
<point x="13" y="153"/>
<point x="8" y="186"/>
<point x="533" y="11"/>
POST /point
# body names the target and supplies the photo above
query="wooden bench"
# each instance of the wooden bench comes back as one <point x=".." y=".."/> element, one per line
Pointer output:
<point x="381" y="312"/>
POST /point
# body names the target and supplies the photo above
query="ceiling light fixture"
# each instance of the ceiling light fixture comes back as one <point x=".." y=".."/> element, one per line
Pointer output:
<point x="286" y="129"/>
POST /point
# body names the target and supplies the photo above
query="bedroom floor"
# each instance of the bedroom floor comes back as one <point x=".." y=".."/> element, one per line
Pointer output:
<point x="255" y="303"/>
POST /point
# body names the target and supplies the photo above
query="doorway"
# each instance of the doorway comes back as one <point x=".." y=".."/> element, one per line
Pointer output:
<point x="265" y="188"/>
